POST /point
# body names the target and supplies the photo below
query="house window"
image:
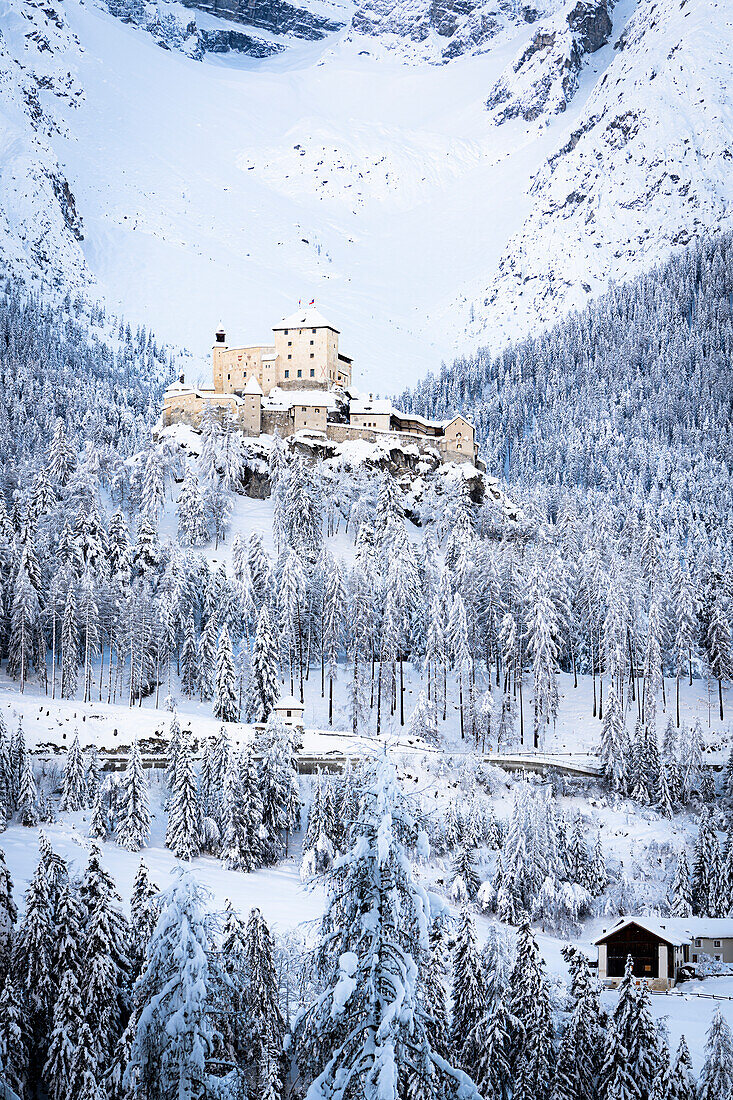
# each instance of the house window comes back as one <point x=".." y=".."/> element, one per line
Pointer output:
<point x="313" y="373"/>
<point x="318" y="410"/>
<point x="290" y="357"/>
<point x="229" y="378"/>
<point x="286" y="332"/>
<point x="698" y="943"/>
<point x="300" y="374"/>
<point x="312" y="355"/>
<point x="716" y="943"/>
<point x="694" y="957"/>
<point x="289" y="713"/>
<point x="290" y="343"/>
<point x="287" y="374"/>
<point x="311" y="343"/>
<point x="313" y="331"/>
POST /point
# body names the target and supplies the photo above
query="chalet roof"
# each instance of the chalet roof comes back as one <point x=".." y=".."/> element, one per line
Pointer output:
<point x="676" y="930"/>
<point x="308" y="317"/>
<point x="288" y="702"/>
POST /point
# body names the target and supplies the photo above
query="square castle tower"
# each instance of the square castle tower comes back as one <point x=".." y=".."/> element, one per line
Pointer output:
<point x="305" y="355"/>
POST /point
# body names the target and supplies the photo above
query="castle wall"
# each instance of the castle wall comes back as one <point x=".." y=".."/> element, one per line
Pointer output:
<point x="339" y="433"/>
<point x="279" y="421"/>
<point x="233" y="366"/>
<point x="380" y="421"/>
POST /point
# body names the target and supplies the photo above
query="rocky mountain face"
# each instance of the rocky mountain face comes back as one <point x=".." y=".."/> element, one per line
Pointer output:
<point x="41" y="228"/>
<point x="447" y="28"/>
<point x="645" y="169"/>
<point x="277" y="16"/>
<point x="544" y="77"/>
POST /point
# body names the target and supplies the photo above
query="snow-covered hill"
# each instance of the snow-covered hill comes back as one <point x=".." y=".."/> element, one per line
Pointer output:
<point x="190" y="188"/>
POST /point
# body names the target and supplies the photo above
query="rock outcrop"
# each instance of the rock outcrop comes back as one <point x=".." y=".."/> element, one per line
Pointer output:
<point x="456" y="27"/>
<point x="543" y="79"/>
<point x="277" y="16"/>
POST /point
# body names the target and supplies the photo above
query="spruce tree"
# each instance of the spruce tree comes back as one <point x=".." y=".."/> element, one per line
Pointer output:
<point x="14" y="1054"/>
<point x="133" y="827"/>
<point x="226" y="704"/>
<point x="468" y="993"/>
<point x="265" y="1019"/>
<point x="530" y="1004"/>
<point x="263" y="690"/>
<point x="466" y="880"/>
<point x="716" y="1078"/>
<point x="183" y="834"/>
<point x="174" y="1034"/>
<point x="680" y="891"/>
<point x="365" y="1032"/>
<point x="67" y="1012"/>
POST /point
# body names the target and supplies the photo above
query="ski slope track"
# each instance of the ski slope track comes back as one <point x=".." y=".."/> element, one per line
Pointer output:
<point x="438" y="176"/>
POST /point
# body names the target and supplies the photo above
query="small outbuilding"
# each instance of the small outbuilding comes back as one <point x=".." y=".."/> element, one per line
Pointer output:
<point x="661" y="947"/>
<point x="289" y="711"/>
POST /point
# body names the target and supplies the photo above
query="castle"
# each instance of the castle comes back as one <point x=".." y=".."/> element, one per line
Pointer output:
<point x="302" y="383"/>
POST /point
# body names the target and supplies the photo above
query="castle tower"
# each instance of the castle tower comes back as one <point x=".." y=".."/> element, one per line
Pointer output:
<point x="307" y="348"/>
<point x="220" y="345"/>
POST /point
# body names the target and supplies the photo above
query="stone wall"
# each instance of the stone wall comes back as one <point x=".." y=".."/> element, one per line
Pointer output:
<point x="277" y="421"/>
<point x="339" y="433"/>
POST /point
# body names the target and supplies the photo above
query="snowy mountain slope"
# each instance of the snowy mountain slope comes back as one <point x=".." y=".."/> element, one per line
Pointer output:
<point x="191" y="191"/>
<point x="41" y="228"/>
<point x="645" y="169"/>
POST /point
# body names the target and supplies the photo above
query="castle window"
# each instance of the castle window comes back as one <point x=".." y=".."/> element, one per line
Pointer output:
<point x="313" y="331"/>
<point x="312" y="356"/>
<point x="287" y="374"/>
<point x="311" y="343"/>
<point x="290" y="343"/>
<point x="286" y="332"/>
<point x="300" y="374"/>
<point x="229" y="378"/>
<point x="313" y="373"/>
<point x="290" y="357"/>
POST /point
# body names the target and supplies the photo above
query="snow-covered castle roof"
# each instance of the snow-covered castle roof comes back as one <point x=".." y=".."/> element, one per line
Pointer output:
<point x="305" y="317"/>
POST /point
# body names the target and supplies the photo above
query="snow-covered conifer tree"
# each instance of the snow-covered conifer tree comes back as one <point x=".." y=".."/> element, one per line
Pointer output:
<point x="226" y="702"/>
<point x="183" y="834"/>
<point x="13" y="1038"/>
<point x="74" y="788"/>
<point x="133" y="826"/>
<point x="189" y="660"/>
<point x="530" y="1004"/>
<point x="174" y="1033"/>
<point x="716" y="1078"/>
<point x="265" y="1020"/>
<point x="365" y="1034"/>
<point x="263" y="689"/>
<point x="468" y="993"/>
<point x="69" y="647"/>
